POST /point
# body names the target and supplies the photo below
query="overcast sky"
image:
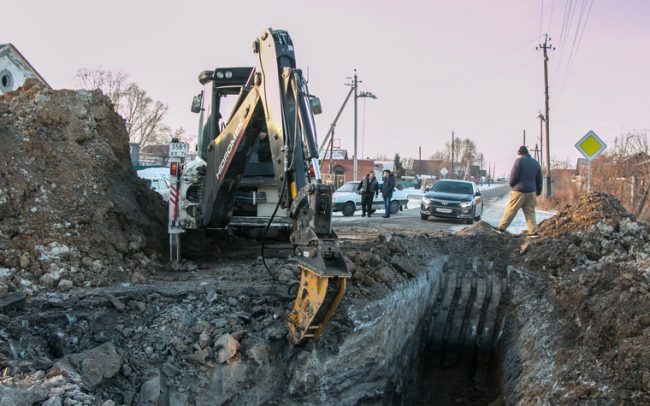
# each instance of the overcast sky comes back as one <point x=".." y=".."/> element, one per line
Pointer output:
<point x="436" y="66"/>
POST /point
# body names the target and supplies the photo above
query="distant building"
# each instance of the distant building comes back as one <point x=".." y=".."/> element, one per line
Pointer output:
<point x="15" y="69"/>
<point x="134" y="151"/>
<point x="154" y="155"/>
<point x="337" y="153"/>
<point x="342" y="170"/>
<point x="430" y="167"/>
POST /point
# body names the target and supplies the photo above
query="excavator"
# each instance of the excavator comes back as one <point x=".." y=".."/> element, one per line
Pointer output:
<point x="259" y="165"/>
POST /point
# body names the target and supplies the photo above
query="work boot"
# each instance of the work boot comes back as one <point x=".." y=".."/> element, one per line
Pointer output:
<point x="363" y="214"/>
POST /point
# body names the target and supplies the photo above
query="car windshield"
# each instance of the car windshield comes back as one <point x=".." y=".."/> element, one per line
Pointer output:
<point x="348" y="188"/>
<point x="452" y="187"/>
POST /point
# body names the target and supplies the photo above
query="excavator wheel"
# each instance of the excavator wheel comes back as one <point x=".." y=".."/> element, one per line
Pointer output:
<point x="308" y="320"/>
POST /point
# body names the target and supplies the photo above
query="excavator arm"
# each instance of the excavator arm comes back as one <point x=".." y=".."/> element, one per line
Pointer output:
<point x="273" y="108"/>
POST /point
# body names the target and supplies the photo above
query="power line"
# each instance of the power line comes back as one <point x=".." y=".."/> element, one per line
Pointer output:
<point x="550" y="19"/>
<point x="541" y="17"/>
<point x="583" y="30"/>
<point x="577" y="39"/>
<point x="475" y="71"/>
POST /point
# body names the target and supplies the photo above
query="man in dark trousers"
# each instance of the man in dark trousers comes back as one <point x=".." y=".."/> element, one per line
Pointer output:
<point x="387" y="190"/>
<point x="526" y="184"/>
<point x="369" y="188"/>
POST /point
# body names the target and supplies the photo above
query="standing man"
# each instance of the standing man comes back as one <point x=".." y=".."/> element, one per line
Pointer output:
<point x="369" y="188"/>
<point x="387" y="190"/>
<point x="526" y="184"/>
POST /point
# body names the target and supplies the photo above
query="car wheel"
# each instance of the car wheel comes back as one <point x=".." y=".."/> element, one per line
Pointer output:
<point x="424" y="216"/>
<point x="477" y="218"/>
<point x="471" y="219"/>
<point x="394" y="207"/>
<point x="348" y="209"/>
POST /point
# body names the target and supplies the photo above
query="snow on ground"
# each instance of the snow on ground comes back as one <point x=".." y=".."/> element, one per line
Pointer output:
<point x="494" y="211"/>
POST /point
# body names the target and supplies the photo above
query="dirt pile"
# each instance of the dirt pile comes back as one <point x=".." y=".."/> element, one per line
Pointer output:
<point x="72" y="211"/>
<point x="592" y="270"/>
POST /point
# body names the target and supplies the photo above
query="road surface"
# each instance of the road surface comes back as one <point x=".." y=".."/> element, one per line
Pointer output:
<point x="495" y="200"/>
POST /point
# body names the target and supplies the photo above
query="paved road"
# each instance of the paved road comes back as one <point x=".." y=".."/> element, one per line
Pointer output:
<point x="410" y="218"/>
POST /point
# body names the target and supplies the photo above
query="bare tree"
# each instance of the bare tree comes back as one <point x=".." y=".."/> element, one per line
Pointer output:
<point x="465" y="153"/>
<point x="112" y="84"/>
<point x="143" y="115"/>
<point x="440" y="156"/>
<point x="630" y="144"/>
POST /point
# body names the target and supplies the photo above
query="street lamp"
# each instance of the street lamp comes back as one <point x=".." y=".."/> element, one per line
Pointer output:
<point x="357" y="96"/>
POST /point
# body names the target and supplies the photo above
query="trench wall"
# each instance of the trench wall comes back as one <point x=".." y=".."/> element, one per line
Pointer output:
<point x="379" y="360"/>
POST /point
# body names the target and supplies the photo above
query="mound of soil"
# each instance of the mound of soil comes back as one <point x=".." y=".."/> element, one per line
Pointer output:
<point x="588" y="211"/>
<point x="592" y="265"/>
<point x="72" y="210"/>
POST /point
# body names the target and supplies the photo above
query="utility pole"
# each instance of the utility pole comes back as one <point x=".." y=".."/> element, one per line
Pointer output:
<point x="541" y="138"/>
<point x="452" y="155"/>
<point x="545" y="47"/>
<point x="524" y="144"/>
<point x="420" y="155"/>
<point x="356" y="87"/>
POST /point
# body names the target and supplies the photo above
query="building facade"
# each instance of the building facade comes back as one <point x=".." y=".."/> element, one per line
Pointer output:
<point x="15" y="69"/>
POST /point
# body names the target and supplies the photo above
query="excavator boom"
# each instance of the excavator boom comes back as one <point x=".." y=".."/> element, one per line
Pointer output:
<point x="267" y="143"/>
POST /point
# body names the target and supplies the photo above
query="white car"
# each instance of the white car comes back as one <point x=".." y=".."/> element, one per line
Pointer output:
<point x="160" y="185"/>
<point x="156" y="179"/>
<point x="347" y="200"/>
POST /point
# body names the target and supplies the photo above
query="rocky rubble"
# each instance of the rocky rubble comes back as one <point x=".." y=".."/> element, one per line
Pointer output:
<point x="72" y="211"/>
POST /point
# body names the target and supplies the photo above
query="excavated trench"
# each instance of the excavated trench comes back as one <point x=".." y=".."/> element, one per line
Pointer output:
<point x="438" y="339"/>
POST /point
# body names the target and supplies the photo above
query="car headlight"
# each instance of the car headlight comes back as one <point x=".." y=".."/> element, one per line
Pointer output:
<point x="426" y="200"/>
<point x="465" y="204"/>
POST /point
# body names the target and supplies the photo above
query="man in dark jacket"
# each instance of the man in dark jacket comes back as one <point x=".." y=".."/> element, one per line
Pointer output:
<point x="387" y="190"/>
<point x="526" y="184"/>
<point x="369" y="188"/>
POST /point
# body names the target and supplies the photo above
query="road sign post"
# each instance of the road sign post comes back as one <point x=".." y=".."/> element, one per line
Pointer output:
<point x="444" y="172"/>
<point x="590" y="146"/>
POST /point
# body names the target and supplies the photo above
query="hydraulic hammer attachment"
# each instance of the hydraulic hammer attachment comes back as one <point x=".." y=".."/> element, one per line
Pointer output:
<point x="320" y="263"/>
<point x="308" y="320"/>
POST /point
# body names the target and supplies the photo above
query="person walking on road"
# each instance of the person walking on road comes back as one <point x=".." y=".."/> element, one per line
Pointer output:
<point x="387" y="190"/>
<point x="526" y="183"/>
<point x="369" y="188"/>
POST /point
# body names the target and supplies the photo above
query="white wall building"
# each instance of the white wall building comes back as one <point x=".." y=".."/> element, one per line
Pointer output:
<point x="14" y="69"/>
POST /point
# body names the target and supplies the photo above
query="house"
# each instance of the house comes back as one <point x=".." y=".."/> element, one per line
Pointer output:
<point x="342" y="170"/>
<point x="15" y="69"/>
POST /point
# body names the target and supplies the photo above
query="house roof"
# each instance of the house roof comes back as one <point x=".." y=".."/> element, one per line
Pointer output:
<point x="9" y="47"/>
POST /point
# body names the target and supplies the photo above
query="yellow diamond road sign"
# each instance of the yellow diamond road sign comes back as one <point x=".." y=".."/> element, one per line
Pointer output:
<point x="591" y="145"/>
